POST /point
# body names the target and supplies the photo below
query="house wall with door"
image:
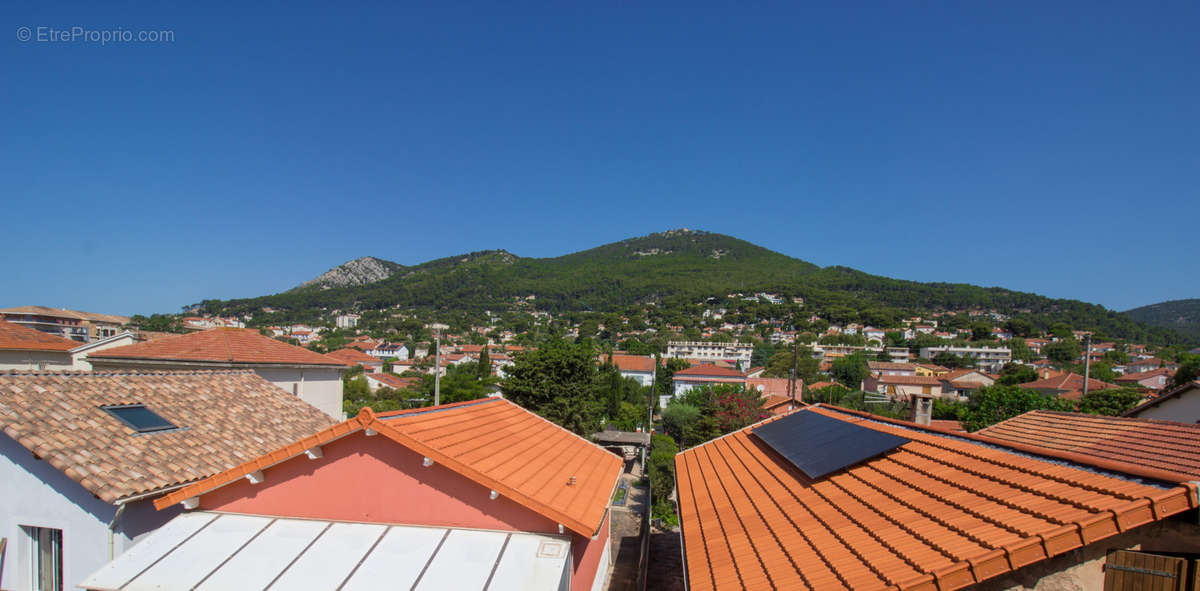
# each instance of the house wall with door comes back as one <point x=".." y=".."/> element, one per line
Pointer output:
<point x="36" y="494"/>
<point x="1083" y="568"/>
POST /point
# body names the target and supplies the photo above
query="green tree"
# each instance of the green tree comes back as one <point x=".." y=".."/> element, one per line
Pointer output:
<point x="1110" y="401"/>
<point x="850" y="370"/>
<point x="1015" y="373"/>
<point x="484" y="368"/>
<point x="1189" y="370"/>
<point x="1062" y="351"/>
<point x="557" y="381"/>
<point x="991" y="404"/>
<point x="679" y="419"/>
<point x="980" y="331"/>
<point x="952" y="361"/>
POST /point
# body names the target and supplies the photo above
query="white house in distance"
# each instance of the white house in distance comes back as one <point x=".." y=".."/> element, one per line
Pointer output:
<point x="735" y="353"/>
<point x="83" y="455"/>
<point x="314" y="378"/>
<point x="22" y="347"/>
<point x="702" y="375"/>
<point x="638" y="367"/>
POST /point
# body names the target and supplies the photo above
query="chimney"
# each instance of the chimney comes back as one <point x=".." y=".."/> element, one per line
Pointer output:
<point x="922" y="408"/>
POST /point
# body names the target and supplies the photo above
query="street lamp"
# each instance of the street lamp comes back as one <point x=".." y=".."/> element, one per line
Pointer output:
<point x="437" y="362"/>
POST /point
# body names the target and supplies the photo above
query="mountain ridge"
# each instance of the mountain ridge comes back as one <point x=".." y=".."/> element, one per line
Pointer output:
<point x="1181" y="315"/>
<point x="674" y="269"/>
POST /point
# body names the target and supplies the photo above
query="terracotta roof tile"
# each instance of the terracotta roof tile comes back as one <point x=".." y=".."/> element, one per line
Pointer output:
<point x="15" y="337"/>
<point x="350" y="356"/>
<point x="1159" y="444"/>
<point x="708" y="369"/>
<point x="936" y="512"/>
<point x="907" y="380"/>
<point x="641" y="363"/>
<point x="393" y="380"/>
<point x="226" y="418"/>
<point x="221" y="345"/>
<point x="491" y="441"/>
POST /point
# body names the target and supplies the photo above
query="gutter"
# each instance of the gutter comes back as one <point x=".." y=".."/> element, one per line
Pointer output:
<point x="112" y="531"/>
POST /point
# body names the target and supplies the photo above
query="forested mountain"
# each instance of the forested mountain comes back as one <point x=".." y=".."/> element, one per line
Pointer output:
<point x="1181" y="315"/>
<point x="671" y="270"/>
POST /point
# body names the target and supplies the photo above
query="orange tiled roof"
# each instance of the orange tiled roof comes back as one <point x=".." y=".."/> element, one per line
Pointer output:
<point x="937" y="512"/>
<point x="14" y="337"/>
<point x="1137" y="377"/>
<point x="885" y="365"/>
<point x="709" y="370"/>
<point x="1069" y="385"/>
<point x="228" y="417"/>
<point x="221" y="345"/>
<point x="1158" y="444"/>
<point x="491" y="441"/>
<point x="641" y="363"/>
<point x="907" y="380"/>
<point x="354" y="357"/>
<point x="393" y="380"/>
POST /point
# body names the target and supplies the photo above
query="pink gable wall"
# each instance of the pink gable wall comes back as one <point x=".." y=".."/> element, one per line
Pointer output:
<point x="374" y="479"/>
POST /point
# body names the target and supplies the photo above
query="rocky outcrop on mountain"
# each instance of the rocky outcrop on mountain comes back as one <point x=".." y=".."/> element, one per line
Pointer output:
<point x="357" y="272"/>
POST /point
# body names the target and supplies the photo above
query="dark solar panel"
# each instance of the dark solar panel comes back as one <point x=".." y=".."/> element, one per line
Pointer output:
<point x="818" y="445"/>
<point x="139" y="418"/>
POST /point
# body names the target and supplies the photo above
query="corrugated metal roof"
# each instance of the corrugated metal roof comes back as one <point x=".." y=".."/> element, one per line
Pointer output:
<point x="204" y="550"/>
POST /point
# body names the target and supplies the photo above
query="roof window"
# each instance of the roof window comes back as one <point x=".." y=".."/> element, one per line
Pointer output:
<point x="139" y="418"/>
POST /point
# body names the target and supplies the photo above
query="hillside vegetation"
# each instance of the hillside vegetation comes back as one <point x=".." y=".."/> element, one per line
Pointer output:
<point x="671" y="270"/>
<point x="1180" y="315"/>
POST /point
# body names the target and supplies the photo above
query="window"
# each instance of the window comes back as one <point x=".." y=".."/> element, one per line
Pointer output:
<point x="45" y="557"/>
<point x="139" y="418"/>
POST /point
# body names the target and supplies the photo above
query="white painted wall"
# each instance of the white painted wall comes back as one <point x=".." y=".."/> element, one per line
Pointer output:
<point x="51" y="360"/>
<point x="36" y="494"/>
<point x="644" y="378"/>
<point x="79" y="356"/>
<point x="319" y="387"/>
<point x="1184" y="408"/>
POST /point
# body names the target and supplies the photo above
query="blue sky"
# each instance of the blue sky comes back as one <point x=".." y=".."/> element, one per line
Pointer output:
<point x="1045" y="147"/>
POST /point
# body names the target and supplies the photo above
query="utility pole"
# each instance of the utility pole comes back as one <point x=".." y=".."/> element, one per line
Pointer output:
<point x="1087" y="363"/>
<point x="795" y="366"/>
<point x="437" y="362"/>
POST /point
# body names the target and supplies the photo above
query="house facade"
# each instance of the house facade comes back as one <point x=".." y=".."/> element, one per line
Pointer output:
<point x="441" y="478"/>
<point x="78" y="472"/>
<point x="22" y="347"/>
<point x="310" y="376"/>
<point x="734" y="353"/>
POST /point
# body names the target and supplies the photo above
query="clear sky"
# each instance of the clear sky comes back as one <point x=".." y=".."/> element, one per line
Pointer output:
<point x="1050" y="147"/>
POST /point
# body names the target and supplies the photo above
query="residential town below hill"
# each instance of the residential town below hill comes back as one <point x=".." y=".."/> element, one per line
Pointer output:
<point x="681" y="438"/>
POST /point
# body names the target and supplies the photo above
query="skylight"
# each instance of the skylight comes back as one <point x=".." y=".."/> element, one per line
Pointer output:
<point x="139" y="418"/>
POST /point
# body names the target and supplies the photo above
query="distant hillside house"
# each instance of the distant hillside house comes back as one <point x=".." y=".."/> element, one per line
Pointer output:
<point x="733" y="353"/>
<point x="900" y="387"/>
<point x="703" y="375"/>
<point x="351" y="356"/>
<point x="314" y="378"/>
<point x="1065" y="385"/>
<point x="84" y="327"/>
<point x="22" y="347"/>
<point x="461" y="496"/>
<point x="986" y="358"/>
<point x="83" y="455"/>
<point x="638" y="367"/>
<point x="389" y="350"/>
<point x="1155" y="379"/>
